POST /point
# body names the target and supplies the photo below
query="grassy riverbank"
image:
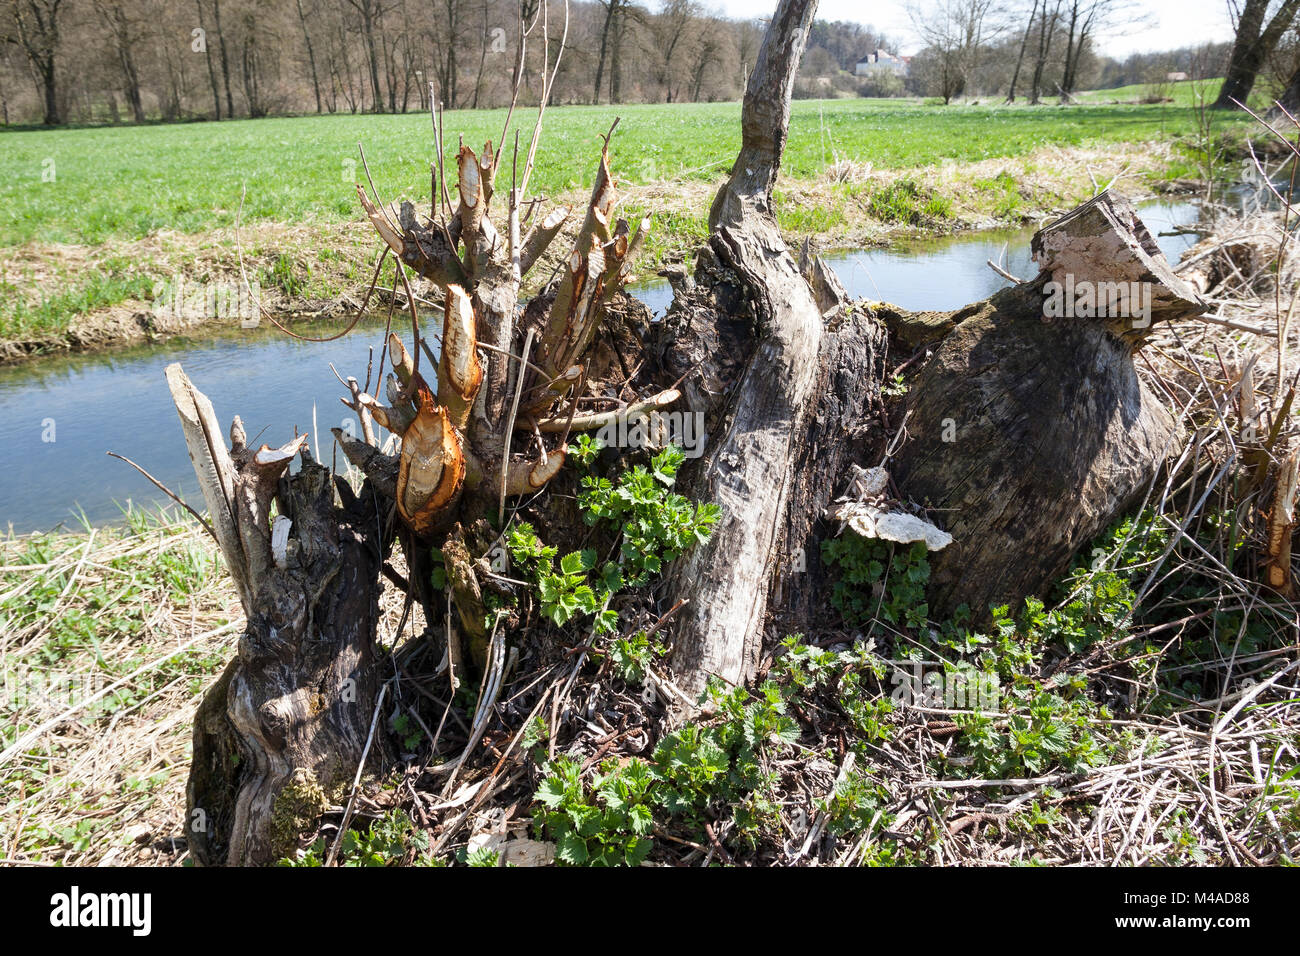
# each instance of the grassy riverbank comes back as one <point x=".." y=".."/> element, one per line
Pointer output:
<point x="96" y="224"/>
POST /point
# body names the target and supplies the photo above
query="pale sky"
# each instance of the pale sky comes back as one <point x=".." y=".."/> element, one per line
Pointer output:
<point x="1173" y="23"/>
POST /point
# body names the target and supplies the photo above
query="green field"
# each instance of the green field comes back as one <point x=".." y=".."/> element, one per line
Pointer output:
<point x="1185" y="93"/>
<point x="127" y="182"/>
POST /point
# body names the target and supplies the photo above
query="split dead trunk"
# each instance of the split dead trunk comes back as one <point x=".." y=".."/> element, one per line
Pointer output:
<point x="1029" y="429"/>
<point x="747" y="469"/>
<point x="1025" y="432"/>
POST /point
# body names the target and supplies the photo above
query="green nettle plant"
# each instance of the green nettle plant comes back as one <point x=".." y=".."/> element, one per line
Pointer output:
<point x="1042" y="724"/>
<point x="717" y="769"/>
<point x="803" y="671"/>
<point x="699" y="771"/>
<point x="606" y="825"/>
<point x="388" y="842"/>
<point x="631" y="657"/>
<point x="609" y="822"/>
<point x="878" y="579"/>
<point x="654" y="526"/>
<point x="657" y="524"/>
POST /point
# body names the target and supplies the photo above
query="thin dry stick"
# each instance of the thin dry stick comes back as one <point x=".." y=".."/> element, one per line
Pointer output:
<point x="168" y="492"/>
<point x="547" y="85"/>
<point x="435" y="107"/>
<point x="518" y="82"/>
<point x="356" y="781"/>
<point x="510" y="428"/>
<point x="1003" y="272"/>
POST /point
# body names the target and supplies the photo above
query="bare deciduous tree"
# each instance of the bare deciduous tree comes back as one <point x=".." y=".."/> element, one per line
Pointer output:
<point x="127" y="33"/>
<point x="34" y="25"/>
<point x="1256" y="37"/>
<point x="956" y="33"/>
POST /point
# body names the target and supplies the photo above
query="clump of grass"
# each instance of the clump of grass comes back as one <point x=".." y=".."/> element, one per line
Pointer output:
<point x="848" y="171"/>
<point x="289" y="276"/>
<point x="23" y="315"/>
<point x="907" y="201"/>
<point x="1002" y="192"/>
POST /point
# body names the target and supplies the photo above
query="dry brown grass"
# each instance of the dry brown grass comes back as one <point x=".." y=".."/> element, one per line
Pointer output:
<point x="108" y="640"/>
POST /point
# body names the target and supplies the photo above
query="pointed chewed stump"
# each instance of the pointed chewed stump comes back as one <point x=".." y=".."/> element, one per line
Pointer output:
<point x="1028" y="427"/>
<point x="280" y="735"/>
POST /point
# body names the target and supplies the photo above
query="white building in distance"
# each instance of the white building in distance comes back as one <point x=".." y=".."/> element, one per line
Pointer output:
<point x="881" y="60"/>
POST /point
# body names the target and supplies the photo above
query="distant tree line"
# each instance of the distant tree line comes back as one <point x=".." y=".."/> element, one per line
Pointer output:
<point x="95" y="61"/>
<point x="112" y="61"/>
<point x="1036" y="50"/>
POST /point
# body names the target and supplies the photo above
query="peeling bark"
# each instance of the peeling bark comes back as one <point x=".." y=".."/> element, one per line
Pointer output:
<point x="1281" y="526"/>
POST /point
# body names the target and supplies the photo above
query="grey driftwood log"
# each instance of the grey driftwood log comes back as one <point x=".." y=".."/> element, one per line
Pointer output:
<point x="755" y="437"/>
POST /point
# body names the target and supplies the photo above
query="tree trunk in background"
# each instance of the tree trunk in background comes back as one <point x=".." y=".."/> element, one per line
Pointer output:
<point x="170" y="105"/>
<point x="616" y="60"/>
<point x="1252" y="47"/>
<point x="225" y="59"/>
<point x="1289" y="99"/>
<point x="1071" y="53"/>
<point x="1046" y="27"/>
<point x="390" y="70"/>
<point x="1020" y="58"/>
<point x="604" y="47"/>
<point x="368" y="30"/>
<point x="447" y="71"/>
<point x="311" y="55"/>
<point x="115" y="20"/>
<point x="38" y="35"/>
<point x="212" y="72"/>
<point x="482" y="57"/>
<point x="53" y="115"/>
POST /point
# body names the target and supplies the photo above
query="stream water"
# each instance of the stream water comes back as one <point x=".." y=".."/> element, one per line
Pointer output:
<point x="60" y="415"/>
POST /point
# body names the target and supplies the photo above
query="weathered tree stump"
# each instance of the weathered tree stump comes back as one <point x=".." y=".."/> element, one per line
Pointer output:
<point x="1028" y="432"/>
<point x="285" y="727"/>
<point x="1028" y="429"/>
<point x="288" y="723"/>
